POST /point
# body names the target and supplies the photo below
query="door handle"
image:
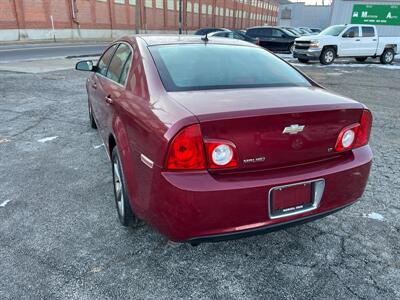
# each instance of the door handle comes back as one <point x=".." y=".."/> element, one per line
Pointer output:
<point x="357" y="40"/>
<point x="109" y="100"/>
<point x="374" y="40"/>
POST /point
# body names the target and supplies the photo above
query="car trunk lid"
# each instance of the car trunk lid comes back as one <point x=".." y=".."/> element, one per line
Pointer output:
<point x="273" y="127"/>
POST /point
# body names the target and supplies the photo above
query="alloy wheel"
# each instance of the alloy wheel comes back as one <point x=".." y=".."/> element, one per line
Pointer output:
<point x="388" y="56"/>
<point x="119" y="195"/>
<point x="329" y="56"/>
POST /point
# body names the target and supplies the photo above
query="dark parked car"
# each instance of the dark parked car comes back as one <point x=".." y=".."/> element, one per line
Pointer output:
<point x="237" y="34"/>
<point x="204" y="31"/>
<point x="218" y="139"/>
<point x="273" y="38"/>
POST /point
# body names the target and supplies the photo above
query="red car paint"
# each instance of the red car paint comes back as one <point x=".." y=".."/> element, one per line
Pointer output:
<point x="142" y="119"/>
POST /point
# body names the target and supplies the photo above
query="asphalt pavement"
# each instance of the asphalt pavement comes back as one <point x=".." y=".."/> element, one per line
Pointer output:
<point x="60" y="237"/>
<point x="13" y="53"/>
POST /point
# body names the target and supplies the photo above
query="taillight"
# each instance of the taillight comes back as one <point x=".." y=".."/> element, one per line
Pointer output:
<point x="364" y="130"/>
<point x="186" y="151"/>
<point x="355" y="135"/>
<point x="221" y="154"/>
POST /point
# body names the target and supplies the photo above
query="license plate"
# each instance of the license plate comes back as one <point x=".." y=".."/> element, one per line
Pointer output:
<point x="295" y="198"/>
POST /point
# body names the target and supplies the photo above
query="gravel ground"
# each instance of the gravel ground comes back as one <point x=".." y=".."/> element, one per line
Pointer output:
<point x="60" y="237"/>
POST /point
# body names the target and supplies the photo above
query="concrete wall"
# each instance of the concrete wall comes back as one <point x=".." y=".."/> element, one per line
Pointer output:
<point x="315" y="16"/>
<point x="30" y="19"/>
<point x="342" y="12"/>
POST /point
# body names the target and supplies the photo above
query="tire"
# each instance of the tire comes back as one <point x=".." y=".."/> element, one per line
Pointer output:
<point x="291" y="48"/>
<point x="361" y="58"/>
<point x="91" y="118"/>
<point x="327" y="56"/>
<point x="125" y="214"/>
<point x="303" y="60"/>
<point x="387" y="56"/>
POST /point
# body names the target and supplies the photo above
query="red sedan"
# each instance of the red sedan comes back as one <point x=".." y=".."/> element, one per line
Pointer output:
<point x="217" y="139"/>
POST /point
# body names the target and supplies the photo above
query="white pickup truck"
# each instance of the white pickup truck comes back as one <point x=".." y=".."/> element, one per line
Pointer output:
<point x="349" y="40"/>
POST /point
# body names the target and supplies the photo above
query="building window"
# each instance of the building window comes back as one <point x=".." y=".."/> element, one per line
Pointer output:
<point x="221" y="11"/>
<point x="148" y="3"/>
<point x="204" y="9"/>
<point x="160" y="4"/>
<point x="216" y="11"/>
<point x="170" y="4"/>
<point x="119" y="1"/>
<point x="189" y="6"/>
<point x="196" y="8"/>
<point x="210" y="10"/>
<point x="132" y="2"/>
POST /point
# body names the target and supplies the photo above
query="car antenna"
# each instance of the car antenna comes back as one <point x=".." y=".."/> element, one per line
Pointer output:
<point x="205" y="38"/>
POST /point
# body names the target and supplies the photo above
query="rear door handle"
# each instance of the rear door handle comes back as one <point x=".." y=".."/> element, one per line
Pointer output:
<point x="357" y="40"/>
<point x="109" y="100"/>
<point x="374" y="40"/>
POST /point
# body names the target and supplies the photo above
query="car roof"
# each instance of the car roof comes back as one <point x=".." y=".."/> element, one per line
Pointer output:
<point x="152" y="40"/>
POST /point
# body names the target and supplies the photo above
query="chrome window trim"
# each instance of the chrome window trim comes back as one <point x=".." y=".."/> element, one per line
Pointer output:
<point x="316" y="199"/>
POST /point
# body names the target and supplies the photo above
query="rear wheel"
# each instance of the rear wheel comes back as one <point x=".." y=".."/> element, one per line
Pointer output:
<point x="361" y="58"/>
<point x="91" y="118"/>
<point x="387" y="56"/>
<point x="125" y="214"/>
<point x="327" y="56"/>
<point x="303" y="60"/>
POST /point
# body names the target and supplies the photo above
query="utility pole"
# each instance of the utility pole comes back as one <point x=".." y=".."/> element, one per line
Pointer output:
<point x="180" y="16"/>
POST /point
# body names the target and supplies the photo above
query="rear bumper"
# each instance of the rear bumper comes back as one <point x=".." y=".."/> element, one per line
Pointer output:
<point x="311" y="54"/>
<point x="199" y="207"/>
<point x="264" y="229"/>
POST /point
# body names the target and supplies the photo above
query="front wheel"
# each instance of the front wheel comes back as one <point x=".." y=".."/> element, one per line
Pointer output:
<point x="125" y="214"/>
<point x="291" y="49"/>
<point x="361" y="59"/>
<point x="327" y="56"/>
<point x="387" y="56"/>
<point x="91" y="118"/>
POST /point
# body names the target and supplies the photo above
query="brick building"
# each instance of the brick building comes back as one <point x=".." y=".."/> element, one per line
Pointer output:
<point x="31" y="19"/>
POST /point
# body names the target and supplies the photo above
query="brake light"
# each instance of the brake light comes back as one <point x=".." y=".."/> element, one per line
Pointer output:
<point x="186" y="151"/>
<point x="221" y="154"/>
<point x="355" y="135"/>
<point x="365" y="129"/>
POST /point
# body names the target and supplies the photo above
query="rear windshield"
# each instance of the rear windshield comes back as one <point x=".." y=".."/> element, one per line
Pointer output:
<point x="211" y="66"/>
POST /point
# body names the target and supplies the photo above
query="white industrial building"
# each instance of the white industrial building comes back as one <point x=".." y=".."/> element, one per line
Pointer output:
<point x="375" y="12"/>
<point x="385" y="14"/>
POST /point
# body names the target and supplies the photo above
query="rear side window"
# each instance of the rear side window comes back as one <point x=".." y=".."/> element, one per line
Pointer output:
<point x="118" y="62"/>
<point x="211" y="66"/>
<point x="368" y="31"/>
<point x="104" y="61"/>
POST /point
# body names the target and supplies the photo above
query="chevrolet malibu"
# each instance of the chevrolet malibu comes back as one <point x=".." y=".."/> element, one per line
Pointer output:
<point x="212" y="138"/>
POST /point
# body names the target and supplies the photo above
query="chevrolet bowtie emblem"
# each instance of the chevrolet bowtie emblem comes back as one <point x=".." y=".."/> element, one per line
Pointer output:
<point x="293" y="129"/>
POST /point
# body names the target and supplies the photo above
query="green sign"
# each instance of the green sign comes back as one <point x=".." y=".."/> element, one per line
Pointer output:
<point x="376" y="14"/>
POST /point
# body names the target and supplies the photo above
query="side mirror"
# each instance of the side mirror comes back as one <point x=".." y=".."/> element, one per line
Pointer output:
<point x="84" y="65"/>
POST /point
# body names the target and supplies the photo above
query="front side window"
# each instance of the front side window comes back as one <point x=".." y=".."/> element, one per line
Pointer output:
<point x="352" y="32"/>
<point x="205" y="66"/>
<point x="368" y="31"/>
<point x="277" y="33"/>
<point x="104" y="61"/>
<point x="118" y="62"/>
